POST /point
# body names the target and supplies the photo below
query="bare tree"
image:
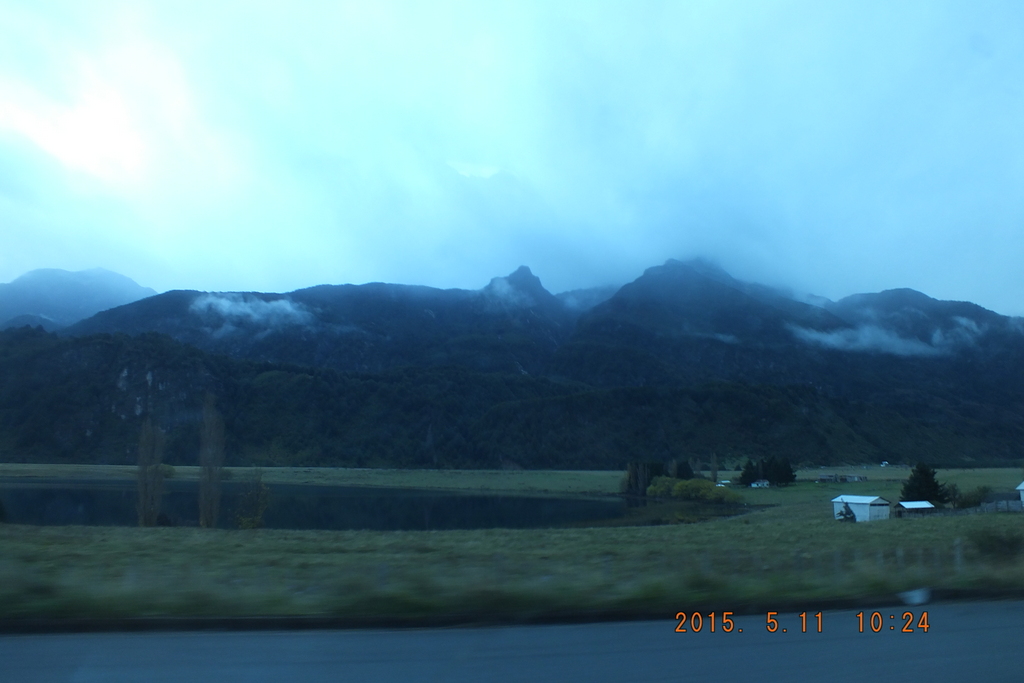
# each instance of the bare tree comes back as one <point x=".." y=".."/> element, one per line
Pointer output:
<point x="254" y="501"/>
<point x="211" y="463"/>
<point x="150" y="474"/>
<point x="714" y="467"/>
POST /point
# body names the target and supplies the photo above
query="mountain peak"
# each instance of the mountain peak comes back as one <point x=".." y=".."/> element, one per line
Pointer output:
<point x="65" y="297"/>
<point x="521" y="289"/>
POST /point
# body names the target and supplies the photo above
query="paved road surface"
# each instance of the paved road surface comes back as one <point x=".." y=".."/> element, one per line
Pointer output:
<point x="965" y="642"/>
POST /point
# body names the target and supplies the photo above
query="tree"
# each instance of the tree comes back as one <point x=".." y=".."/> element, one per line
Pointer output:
<point x="211" y="463"/>
<point x="254" y="502"/>
<point x="678" y="469"/>
<point x="779" y="472"/>
<point x="751" y="473"/>
<point x="639" y="476"/>
<point x="922" y="485"/>
<point x="954" y="495"/>
<point x="150" y="474"/>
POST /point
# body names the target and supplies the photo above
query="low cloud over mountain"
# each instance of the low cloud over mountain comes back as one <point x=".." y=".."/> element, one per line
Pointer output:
<point x="249" y="308"/>
<point x="868" y="338"/>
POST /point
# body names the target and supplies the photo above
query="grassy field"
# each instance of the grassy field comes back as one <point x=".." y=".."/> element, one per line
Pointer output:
<point x="790" y="555"/>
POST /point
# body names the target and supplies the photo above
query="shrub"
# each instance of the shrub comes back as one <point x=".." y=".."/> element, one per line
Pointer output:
<point x="661" y="486"/>
<point x="693" y="489"/>
<point x="702" y="490"/>
<point x="973" y="499"/>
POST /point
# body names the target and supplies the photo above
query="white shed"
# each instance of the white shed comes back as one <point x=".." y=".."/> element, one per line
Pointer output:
<point x="864" y="508"/>
<point x="913" y="508"/>
<point x="1020" y="487"/>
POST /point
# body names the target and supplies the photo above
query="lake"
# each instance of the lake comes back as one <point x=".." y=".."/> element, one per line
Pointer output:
<point x="64" y="502"/>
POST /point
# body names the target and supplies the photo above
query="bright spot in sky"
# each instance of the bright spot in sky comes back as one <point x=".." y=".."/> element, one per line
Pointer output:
<point x="95" y="133"/>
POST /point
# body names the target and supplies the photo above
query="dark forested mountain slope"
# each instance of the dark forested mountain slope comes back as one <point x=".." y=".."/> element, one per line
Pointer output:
<point x="84" y="399"/>
<point x="683" y="361"/>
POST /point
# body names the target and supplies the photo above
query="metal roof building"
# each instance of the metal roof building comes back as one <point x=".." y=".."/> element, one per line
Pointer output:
<point x="1020" y="487"/>
<point x="913" y="508"/>
<point x="864" y="508"/>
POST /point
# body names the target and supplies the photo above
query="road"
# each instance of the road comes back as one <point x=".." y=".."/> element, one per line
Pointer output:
<point x="964" y="641"/>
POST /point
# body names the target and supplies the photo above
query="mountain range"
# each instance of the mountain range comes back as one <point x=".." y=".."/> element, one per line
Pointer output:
<point x="684" y="361"/>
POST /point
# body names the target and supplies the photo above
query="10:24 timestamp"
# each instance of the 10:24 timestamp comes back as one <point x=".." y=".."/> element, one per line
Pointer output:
<point x="875" y="622"/>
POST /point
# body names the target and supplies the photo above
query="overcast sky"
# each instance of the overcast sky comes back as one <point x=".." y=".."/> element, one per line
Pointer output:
<point x="830" y="147"/>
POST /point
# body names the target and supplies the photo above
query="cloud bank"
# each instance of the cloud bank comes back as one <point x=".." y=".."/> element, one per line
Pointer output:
<point x="245" y="308"/>
<point x="875" y="339"/>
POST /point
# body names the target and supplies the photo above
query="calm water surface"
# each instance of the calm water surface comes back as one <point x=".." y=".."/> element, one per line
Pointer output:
<point x="54" y="502"/>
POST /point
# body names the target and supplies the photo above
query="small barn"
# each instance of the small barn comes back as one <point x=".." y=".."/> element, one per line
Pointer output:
<point x="760" y="484"/>
<point x="864" y="508"/>
<point x="914" y="508"/>
<point x="1020" y="487"/>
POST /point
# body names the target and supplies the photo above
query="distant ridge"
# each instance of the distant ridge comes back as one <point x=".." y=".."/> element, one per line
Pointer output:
<point x="54" y="298"/>
<point x="682" y="321"/>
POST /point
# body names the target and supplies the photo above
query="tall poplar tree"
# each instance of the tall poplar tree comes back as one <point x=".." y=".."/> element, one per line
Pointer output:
<point x="211" y="463"/>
